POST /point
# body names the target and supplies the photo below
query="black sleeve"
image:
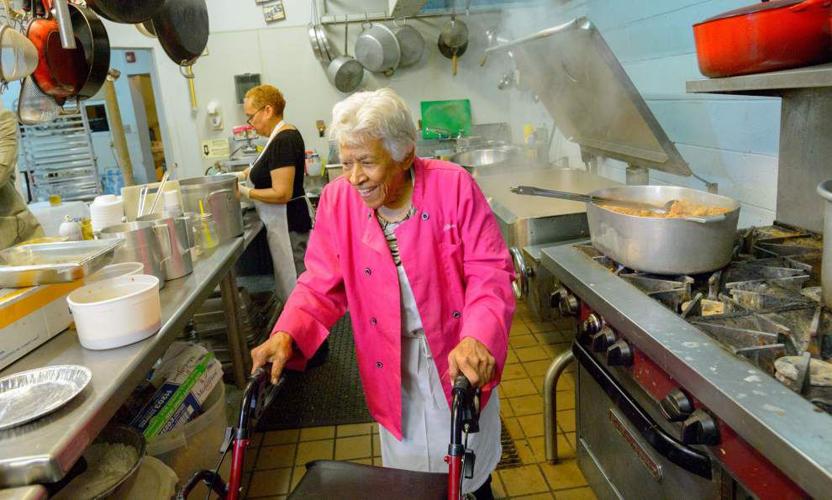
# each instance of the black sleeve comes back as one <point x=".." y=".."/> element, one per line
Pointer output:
<point x="284" y="151"/>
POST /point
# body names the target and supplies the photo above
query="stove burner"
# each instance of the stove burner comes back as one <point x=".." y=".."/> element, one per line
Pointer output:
<point x="762" y="306"/>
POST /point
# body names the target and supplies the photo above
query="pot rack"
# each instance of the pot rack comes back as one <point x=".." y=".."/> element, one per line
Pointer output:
<point x="383" y="16"/>
<point x="805" y="128"/>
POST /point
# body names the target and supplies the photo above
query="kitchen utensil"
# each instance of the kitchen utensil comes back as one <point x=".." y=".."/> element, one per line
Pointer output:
<point x="205" y="234"/>
<point x="61" y="262"/>
<point x="174" y="245"/>
<point x="33" y="106"/>
<point x="91" y="484"/>
<point x="590" y="198"/>
<point x="159" y="193"/>
<point x="70" y="73"/>
<point x="446" y="119"/>
<point x="125" y="11"/>
<point x="825" y="191"/>
<point x="312" y="33"/>
<point x="378" y="49"/>
<point x="18" y="55"/>
<point x="146" y="28"/>
<point x="182" y="28"/>
<point x="345" y="72"/>
<point x="323" y="40"/>
<point x="141" y="244"/>
<point x="31" y="394"/>
<point x="487" y="157"/>
<point x="767" y="36"/>
<point x="116" y="270"/>
<point x="453" y="41"/>
<point x="664" y="245"/>
<point x="219" y="199"/>
<point x="412" y="43"/>
<point x="116" y="312"/>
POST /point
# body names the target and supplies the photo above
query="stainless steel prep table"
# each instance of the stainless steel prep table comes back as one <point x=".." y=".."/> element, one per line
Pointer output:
<point x="46" y="449"/>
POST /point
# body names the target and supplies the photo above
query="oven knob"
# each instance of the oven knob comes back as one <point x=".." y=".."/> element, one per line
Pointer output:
<point x="700" y="428"/>
<point x="603" y="339"/>
<point x="619" y="354"/>
<point x="566" y="303"/>
<point x="591" y="325"/>
<point x="676" y="406"/>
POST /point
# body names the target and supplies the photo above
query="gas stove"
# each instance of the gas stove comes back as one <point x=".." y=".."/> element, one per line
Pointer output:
<point x="705" y="378"/>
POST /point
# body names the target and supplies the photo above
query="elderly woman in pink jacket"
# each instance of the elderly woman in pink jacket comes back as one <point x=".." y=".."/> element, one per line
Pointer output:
<point x="411" y="247"/>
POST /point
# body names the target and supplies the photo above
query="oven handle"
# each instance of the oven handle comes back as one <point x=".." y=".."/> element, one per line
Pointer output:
<point x="690" y="459"/>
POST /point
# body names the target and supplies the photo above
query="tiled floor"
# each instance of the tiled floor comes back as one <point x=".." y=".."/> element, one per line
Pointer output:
<point x="278" y="458"/>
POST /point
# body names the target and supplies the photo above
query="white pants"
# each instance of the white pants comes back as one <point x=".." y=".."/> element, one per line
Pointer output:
<point x="426" y="422"/>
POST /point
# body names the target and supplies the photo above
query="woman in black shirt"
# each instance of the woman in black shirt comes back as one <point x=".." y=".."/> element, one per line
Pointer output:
<point x="277" y="177"/>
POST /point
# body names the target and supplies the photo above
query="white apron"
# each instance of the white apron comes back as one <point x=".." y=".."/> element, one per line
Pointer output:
<point x="274" y="218"/>
<point x="426" y="416"/>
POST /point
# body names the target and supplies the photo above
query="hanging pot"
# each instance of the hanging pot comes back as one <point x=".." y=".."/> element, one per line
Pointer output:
<point x="412" y="43"/>
<point x="378" y="49"/>
<point x="453" y="41"/>
<point x="125" y="11"/>
<point x="67" y="73"/>
<point x="345" y="72"/>
<point x="182" y="28"/>
<point x="768" y="36"/>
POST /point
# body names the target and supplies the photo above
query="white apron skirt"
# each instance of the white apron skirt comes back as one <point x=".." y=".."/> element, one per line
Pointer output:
<point x="426" y="415"/>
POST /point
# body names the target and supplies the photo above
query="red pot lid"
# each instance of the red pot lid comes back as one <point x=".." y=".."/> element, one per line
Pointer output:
<point x="753" y="9"/>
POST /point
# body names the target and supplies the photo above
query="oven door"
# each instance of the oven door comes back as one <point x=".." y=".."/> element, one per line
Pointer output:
<point x="624" y="453"/>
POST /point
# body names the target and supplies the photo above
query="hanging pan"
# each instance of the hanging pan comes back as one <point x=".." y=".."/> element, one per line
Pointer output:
<point x="125" y="11"/>
<point x="345" y="72"/>
<point x="182" y="28"/>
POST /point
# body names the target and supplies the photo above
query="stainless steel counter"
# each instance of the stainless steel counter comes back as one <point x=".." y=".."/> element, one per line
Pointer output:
<point x="46" y="449"/>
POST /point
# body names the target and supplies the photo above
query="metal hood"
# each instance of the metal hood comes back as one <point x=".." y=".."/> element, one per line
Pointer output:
<point x="590" y="97"/>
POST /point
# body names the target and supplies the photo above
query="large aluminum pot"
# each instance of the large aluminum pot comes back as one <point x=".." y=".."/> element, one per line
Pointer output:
<point x="141" y="244"/>
<point x="219" y="198"/>
<point x="173" y="236"/>
<point x="664" y="245"/>
<point x="825" y="190"/>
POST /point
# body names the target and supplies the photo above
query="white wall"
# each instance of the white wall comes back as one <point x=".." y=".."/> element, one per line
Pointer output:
<point x="730" y="140"/>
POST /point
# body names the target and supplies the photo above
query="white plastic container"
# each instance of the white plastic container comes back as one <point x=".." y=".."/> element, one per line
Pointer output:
<point x="195" y="445"/>
<point x="116" y="270"/>
<point x="117" y="311"/>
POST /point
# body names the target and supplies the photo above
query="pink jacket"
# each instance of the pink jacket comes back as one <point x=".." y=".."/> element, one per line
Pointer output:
<point x="457" y="264"/>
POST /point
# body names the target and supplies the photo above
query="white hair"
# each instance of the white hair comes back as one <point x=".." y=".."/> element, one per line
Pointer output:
<point x="379" y="114"/>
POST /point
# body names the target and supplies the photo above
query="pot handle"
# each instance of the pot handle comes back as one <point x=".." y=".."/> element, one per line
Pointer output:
<point x="163" y="236"/>
<point x="706" y="220"/>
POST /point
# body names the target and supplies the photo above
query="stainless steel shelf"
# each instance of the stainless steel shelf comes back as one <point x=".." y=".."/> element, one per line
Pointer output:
<point x="773" y="83"/>
<point x="46" y="449"/>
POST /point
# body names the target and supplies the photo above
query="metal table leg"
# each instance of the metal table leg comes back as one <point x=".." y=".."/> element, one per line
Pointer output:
<point x="236" y="344"/>
<point x="550" y="387"/>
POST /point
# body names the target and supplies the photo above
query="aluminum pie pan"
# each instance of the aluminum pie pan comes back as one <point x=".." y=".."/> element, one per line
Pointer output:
<point x="31" y="394"/>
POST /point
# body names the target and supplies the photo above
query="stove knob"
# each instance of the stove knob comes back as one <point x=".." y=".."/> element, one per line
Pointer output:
<point x="565" y="302"/>
<point x="603" y="339"/>
<point x="676" y="406"/>
<point x="591" y="325"/>
<point x="619" y="354"/>
<point x="700" y="428"/>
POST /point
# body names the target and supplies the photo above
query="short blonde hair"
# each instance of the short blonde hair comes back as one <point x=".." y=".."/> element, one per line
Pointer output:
<point x="267" y="95"/>
<point x="379" y="114"/>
